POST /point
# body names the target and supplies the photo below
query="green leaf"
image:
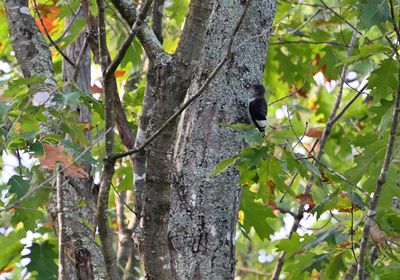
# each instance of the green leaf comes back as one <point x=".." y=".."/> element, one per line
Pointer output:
<point x="17" y="143"/>
<point x="19" y="186"/>
<point x="87" y="157"/>
<point x="42" y="257"/>
<point x="11" y="247"/>
<point x="4" y="107"/>
<point x="67" y="98"/>
<point x="317" y="263"/>
<point x="291" y="246"/>
<point x="383" y="80"/>
<point x="36" y="149"/>
<point x="365" y="52"/>
<point x="222" y="166"/>
<point x="320" y="238"/>
<point x="374" y="12"/>
<point x="255" y="215"/>
<point x="390" y="272"/>
<point x="334" y="268"/>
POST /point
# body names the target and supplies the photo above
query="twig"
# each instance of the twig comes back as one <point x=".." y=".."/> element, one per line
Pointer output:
<point x="341" y="17"/>
<point x="395" y="26"/>
<point x="289" y="186"/>
<point x="49" y="37"/>
<point x="379" y="184"/>
<point x="79" y="59"/>
<point x="200" y="91"/>
<point x="325" y="135"/>
<point x="335" y="108"/>
<point x="344" y="109"/>
<point x="127" y="42"/>
<point x="28" y="102"/>
<point x="61" y="230"/>
<point x="123" y="200"/>
<point x="304" y="23"/>
<point x="253" y="271"/>
<point x="283" y="98"/>
<point x="105" y="234"/>
<point x="282" y="42"/>
<point x="51" y="178"/>
<point x="70" y="24"/>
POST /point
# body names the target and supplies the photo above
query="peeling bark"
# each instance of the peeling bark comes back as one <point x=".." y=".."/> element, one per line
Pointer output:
<point x="203" y="209"/>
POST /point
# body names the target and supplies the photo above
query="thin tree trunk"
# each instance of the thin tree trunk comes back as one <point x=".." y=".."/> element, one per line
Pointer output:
<point x="204" y="210"/>
<point x="34" y="58"/>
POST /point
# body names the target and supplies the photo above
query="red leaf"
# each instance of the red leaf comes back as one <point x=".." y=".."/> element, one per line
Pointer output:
<point x="55" y="154"/>
<point x="97" y="89"/>
<point x="314" y="132"/>
<point x="119" y="73"/>
<point x="271" y="186"/>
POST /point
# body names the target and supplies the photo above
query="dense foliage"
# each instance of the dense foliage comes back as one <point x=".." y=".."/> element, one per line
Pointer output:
<point x="285" y="171"/>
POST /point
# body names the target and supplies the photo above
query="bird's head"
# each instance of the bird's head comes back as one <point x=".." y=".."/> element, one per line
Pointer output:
<point x="259" y="89"/>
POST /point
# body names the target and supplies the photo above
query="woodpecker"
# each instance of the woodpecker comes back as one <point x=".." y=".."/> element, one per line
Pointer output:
<point x="257" y="108"/>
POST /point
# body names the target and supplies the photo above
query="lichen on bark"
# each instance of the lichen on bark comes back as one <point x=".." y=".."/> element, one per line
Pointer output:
<point x="204" y="209"/>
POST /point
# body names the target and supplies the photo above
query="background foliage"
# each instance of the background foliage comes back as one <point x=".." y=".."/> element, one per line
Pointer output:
<point x="307" y="52"/>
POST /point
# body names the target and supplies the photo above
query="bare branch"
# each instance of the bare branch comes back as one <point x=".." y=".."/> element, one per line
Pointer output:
<point x="127" y="42"/>
<point x="105" y="233"/>
<point x="344" y="109"/>
<point x="283" y="98"/>
<point x="379" y="184"/>
<point x="49" y="37"/>
<point x="79" y="59"/>
<point x="341" y="17"/>
<point x="325" y="135"/>
<point x="61" y="230"/>
<point x="283" y="42"/>
<point x="70" y="24"/>
<point x="395" y="26"/>
<point x="158" y="19"/>
<point x="146" y="35"/>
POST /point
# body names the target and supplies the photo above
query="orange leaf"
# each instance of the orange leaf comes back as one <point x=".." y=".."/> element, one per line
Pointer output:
<point x="7" y="269"/>
<point x="271" y="203"/>
<point x="97" y="89"/>
<point x="314" y="132"/>
<point x="316" y="59"/>
<point x="271" y="186"/>
<point x="49" y="24"/>
<point x="119" y="73"/>
<point x="323" y="69"/>
<point x="55" y="154"/>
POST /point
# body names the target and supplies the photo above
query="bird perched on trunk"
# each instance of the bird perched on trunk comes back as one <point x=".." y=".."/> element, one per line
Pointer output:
<point x="258" y="108"/>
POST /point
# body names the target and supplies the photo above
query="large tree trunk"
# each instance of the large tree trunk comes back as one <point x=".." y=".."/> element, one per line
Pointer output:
<point x="204" y="210"/>
<point x="170" y="85"/>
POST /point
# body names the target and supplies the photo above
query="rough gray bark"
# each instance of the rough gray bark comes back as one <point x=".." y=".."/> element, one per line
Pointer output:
<point x="31" y="50"/>
<point x="169" y="81"/>
<point x="203" y="209"/>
